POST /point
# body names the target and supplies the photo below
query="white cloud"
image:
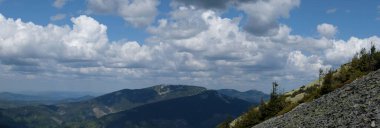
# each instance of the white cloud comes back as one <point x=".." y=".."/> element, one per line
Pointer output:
<point x="184" y="23"/>
<point x="83" y="49"/>
<point x="299" y="62"/>
<point x="342" y="51"/>
<point x="204" y="4"/>
<point x="221" y="45"/>
<point x="263" y="14"/>
<point x="327" y="30"/>
<point x="136" y="12"/>
<point x="57" y="17"/>
<point x="211" y="51"/>
<point x="86" y="38"/>
<point x="59" y="3"/>
<point x="21" y="39"/>
<point x="331" y="10"/>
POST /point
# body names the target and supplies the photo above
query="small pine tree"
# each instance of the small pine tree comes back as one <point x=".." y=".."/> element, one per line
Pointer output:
<point x="320" y="76"/>
<point x="373" y="49"/>
<point x="328" y="83"/>
<point x="274" y="93"/>
<point x="372" y="57"/>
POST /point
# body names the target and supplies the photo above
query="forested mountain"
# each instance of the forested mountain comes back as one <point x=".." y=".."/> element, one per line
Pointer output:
<point x="161" y="105"/>
<point x="252" y="96"/>
<point x="204" y="110"/>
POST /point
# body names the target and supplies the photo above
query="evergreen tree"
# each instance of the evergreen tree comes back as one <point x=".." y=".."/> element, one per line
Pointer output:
<point x="320" y="76"/>
<point x="274" y="93"/>
<point x="372" y="57"/>
<point x="327" y="82"/>
<point x="373" y="49"/>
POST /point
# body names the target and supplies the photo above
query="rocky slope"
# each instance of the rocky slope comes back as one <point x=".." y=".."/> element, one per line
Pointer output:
<point x="354" y="105"/>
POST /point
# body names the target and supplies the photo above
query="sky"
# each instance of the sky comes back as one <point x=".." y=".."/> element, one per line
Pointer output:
<point x="108" y="45"/>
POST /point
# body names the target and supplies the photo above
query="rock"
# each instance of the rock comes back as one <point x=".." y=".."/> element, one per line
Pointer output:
<point x="354" y="105"/>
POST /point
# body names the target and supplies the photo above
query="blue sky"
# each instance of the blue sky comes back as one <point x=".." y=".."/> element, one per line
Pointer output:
<point x="102" y="46"/>
<point x="352" y="20"/>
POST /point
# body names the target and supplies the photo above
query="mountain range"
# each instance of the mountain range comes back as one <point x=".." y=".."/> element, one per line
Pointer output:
<point x="168" y="106"/>
<point x="12" y="100"/>
<point x="204" y="110"/>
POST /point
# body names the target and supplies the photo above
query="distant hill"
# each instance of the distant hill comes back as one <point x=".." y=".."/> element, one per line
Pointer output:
<point x="73" y="114"/>
<point x="20" y="97"/>
<point x="77" y="99"/>
<point x="204" y="110"/>
<point x="12" y="100"/>
<point x="130" y="98"/>
<point x="124" y="100"/>
<point x="29" y="117"/>
<point x="43" y="96"/>
<point x="252" y="96"/>
<point x="166" y="106"/>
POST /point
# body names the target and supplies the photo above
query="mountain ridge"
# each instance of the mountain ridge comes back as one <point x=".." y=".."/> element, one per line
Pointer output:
<point x="210" y="107"/>
<point x="85" y="113"/>
<point x="252" y="96"/>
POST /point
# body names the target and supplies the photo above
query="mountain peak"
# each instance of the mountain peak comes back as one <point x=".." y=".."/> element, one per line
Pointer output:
<point x="164" y="89"/>
<point x="175" y="86"/>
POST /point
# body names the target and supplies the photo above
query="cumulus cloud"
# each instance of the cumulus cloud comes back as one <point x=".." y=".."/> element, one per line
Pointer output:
<point x="80" y="50"/>
<point x="28" y="40"/>
<point x="220" y="43"/>
<point x="342" y="51"/>
<point x="185" y="22"/>
<point x="136" y="12"/>
<point x="299" y="62"/>
<point x="206" y="4"/>
<point x="190" y="46"/>
<point x="59" y="3"/>
<point x="327" y="30"/>
<point x="216" y="41"/>
<point x="281" y="56"/>
<point x="263" y="14"/>
<point x="57" y="17"/>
